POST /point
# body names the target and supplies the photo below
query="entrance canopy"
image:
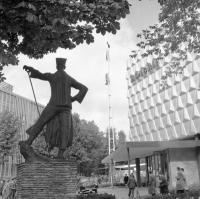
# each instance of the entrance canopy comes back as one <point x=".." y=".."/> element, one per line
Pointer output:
<point x="144" y="149"/>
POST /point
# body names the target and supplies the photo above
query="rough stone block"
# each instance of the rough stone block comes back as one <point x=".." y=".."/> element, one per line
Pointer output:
<point x="47" y="180"/>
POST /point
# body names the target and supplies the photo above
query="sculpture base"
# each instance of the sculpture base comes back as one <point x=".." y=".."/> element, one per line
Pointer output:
<point x="47" y="180"/>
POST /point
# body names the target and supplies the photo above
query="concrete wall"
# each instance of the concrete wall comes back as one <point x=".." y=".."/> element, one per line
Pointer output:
<point x="187" y="159"/>
<point x="198" y="158"/>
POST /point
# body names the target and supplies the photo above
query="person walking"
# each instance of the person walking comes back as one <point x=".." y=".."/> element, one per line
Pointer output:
<point x="2" y="183"/>
<point x="131" y="185"/>
<point x="185" y="184"/>
<point x="9" y="189"/>
<point x="180" y="181"/>
<point x="152" y="184"/>
<point x="125" y="179"/>
<point x="163" y="185"/>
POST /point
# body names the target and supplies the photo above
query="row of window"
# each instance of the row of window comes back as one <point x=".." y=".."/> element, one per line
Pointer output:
<point x="186" y="86"/>
<point x="158" y="130"/>
<point x="189" y="69"/>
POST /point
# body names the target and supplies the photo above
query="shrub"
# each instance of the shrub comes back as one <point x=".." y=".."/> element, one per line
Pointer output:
<point x="119" y="184"/>
<point x="96" y="196"/>
<point x="105" y="184"/>
<point x="172" y="195"/>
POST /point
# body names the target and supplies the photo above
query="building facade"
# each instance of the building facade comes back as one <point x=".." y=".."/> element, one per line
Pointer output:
<point x="157" y="114"/>
<point x="26" y="111"/>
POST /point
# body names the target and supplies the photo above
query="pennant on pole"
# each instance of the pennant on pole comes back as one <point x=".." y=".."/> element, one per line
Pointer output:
<point x="107" y="79"/>
<point x="108" y="52"/>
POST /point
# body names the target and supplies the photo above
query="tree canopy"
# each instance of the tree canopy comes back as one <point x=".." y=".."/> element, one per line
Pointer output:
<point x="35" y="28"/>
<point x="121" y="138"/>
<point x="177" y="33"/>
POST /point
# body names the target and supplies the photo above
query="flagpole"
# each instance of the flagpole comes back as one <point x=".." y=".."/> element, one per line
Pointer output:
<point x="109" y="107"/>
<point x="108" y="83"/>
<point x="109" y="124"/>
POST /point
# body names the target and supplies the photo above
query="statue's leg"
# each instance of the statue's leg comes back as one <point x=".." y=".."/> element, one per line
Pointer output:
<point x="65" y="135"/>
<point x="65" y="127"/>
<point x="34" y="131"/>
<point x="61" y="153"/>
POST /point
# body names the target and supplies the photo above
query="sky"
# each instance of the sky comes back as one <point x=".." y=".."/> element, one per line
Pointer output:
<point x="87" y="64"/>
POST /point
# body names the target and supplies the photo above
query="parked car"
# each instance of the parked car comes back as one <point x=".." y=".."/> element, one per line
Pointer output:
<point x="87" y="186"/>
<point x="88" y="190"/>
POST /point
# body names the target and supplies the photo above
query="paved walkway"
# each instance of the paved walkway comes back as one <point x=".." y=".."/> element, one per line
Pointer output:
<point x="121" y="192"/>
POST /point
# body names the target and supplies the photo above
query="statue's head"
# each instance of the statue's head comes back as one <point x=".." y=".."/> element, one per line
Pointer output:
<point x="60" y="63"/>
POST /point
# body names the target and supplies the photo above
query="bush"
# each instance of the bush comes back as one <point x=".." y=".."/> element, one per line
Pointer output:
<point x="119" y="184"/>
<point x="172" y="195"/>
<point x="96" y="196"/>
<point x="105" y="185"/>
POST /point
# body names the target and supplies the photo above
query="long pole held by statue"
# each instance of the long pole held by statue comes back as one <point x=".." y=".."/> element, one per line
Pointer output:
<point x="34" y="93"/>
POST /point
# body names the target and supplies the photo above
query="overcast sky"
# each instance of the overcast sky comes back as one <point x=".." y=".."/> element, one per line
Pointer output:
<point x="87" y="64"/>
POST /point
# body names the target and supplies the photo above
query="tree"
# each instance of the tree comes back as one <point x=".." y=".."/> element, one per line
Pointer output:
<point x="35" y="28"/>
<point x="178" y="33"/>
<point x="89" y="146"/>
<point x="9" y="134"/>
<point x="121" y="138"/>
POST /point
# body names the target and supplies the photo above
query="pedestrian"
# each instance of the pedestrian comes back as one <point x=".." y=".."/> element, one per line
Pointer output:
<point x="99" y="179"/>
<point x="2" y="183"/>
<point x="131" y="185"/>
<point x="13" y="188"/>
<point x="185" y="181"/>
<point x="7" y="192"/>
<point x="125" y="179"/>
<point x="180" y="181"/>
<point x="163" y="185"/>
<point x="152" y="184"/>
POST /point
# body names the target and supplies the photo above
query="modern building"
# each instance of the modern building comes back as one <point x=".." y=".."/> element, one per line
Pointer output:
<point x="172" y="112"/>
<point x="164" y="121"/>
<point x="26" y="111"/>
<point x="163" y="114"/>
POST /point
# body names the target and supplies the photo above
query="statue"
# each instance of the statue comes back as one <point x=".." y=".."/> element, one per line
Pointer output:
<point x="57" y="114"/>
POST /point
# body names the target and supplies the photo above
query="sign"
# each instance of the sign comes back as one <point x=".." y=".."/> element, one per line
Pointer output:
<point x="150" y="68"/>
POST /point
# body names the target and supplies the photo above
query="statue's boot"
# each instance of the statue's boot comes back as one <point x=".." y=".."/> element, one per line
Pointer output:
<point x="32" y="135"/>
<point x="26" y="150"/>
<point x="30" y="155"/>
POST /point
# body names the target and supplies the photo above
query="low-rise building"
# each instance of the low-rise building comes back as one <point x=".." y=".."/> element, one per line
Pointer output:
<point x="26" y="111"/>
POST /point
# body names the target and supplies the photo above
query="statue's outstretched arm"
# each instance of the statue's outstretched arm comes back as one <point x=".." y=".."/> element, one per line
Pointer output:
<point x="37" y="74"/>
<point x="82" y="91"/>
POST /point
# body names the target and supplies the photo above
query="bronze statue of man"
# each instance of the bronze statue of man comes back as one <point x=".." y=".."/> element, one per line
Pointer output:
<point x="57" y="113"/>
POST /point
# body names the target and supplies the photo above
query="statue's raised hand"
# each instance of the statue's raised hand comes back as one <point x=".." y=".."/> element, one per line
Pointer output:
<point x="28" y="69"/>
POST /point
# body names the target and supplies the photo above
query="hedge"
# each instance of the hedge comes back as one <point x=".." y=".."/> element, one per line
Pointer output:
<point x="195" y="194"/>
<point x="96" y="196"/>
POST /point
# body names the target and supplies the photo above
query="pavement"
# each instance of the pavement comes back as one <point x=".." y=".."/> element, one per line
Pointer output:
<point x="119" y="192"/>
<point x="122" y="192"/>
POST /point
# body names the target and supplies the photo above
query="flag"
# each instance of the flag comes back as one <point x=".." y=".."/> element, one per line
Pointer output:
<point x="112" y="139"/>
<point x="107" y="79"/>
<point x="108" y="52"/>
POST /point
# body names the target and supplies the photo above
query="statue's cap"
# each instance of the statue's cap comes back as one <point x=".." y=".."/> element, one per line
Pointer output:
<point x="60" y="61"/>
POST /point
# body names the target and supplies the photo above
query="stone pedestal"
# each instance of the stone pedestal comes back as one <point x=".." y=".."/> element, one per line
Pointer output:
<point x="47" y="180"/>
